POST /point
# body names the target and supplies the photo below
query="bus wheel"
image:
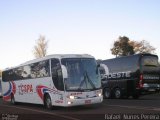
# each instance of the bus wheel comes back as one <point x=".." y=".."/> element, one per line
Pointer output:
<point x="47" y="102"/>
<point x="107" y="93"/>
<point x="13" y="99"/>
<point x="117" y="93"/>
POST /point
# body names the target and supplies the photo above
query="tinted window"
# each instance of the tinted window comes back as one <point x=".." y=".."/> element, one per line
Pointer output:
<point x="18" y="73"/>
<point x="35" y="70"/>
<point x="8" y="75"/>
<point x="149" y="61"/>
<point x="122" y="64"/>
<point x="5" y="75"/>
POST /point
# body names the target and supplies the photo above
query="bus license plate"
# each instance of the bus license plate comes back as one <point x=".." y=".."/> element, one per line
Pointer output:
<point x="87" y="101"/>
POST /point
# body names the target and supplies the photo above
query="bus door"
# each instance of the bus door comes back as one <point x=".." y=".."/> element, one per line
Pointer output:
<point x="57" y="78"/>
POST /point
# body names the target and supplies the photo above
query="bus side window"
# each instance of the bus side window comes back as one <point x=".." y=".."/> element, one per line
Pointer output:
<point x="39" y="69"/>
<point x="57" y="74"/>
<point x="26" y="72"/>
<point x="10" y="75"/>
<point x="18" y="73"/>
<point x="5" y="76"/>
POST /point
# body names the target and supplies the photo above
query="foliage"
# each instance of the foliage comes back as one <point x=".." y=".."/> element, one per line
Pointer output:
<point x="142" y="47"/>
<point x="40" y="49"/>
<point x="124" y="47"/>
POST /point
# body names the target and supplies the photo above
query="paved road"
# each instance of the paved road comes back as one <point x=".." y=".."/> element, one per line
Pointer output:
<point x="147" y="107"/>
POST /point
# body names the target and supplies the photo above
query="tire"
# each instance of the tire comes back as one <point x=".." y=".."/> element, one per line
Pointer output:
<point x="48" y="102"/>
<point x="13" y="102"/>
<point x="107" y="93"/>
<point x="117" y="93"/>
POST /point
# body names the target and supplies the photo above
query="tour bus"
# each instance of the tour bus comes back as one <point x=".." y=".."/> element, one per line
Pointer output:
<point x="55" y="80"/>
<point x="133" y="75"/>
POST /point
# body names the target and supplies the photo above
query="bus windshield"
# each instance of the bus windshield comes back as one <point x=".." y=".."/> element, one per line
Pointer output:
<point x="82" y="74"/>
<point x="150" y="61"/>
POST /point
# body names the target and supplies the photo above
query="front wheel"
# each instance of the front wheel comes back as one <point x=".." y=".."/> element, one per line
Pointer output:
<point x="117" y="93"/>
<point x="107" y="93"/>
<point x="48" y="102"/>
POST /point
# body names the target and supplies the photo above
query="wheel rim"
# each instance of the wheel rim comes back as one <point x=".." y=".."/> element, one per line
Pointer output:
<point x="117" y="93"/>
<point x="107" y="93"/>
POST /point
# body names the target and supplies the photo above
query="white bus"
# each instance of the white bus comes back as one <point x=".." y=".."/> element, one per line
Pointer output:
<point x="55" y="80"/>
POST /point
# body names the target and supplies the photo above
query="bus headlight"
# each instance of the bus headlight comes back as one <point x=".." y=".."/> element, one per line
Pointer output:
<point x="69" y="102"/>
<point x="100" y="94"/>
<point x="71" y="97"/>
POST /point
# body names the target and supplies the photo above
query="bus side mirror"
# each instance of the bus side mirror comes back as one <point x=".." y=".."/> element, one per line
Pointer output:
<point x="104" y="71"/>
<point x="98" y="65"/>
<point x="105" y="68"/>
<point x="97" y="69"/>
<point x="64" y="71"/>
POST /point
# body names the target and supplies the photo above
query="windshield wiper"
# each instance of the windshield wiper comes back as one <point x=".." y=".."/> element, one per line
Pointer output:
<point x="86" y="77"/>
<point x="90" y="81"/>
<point x="82" y="82"/>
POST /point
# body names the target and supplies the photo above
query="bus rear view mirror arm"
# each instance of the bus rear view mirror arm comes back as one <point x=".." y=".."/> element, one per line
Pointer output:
<point x="64" y="71"/>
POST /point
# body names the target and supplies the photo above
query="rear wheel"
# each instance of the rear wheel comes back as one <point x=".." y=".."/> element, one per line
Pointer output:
<point x="107" y="93"/>
<point x="48" y="102"/>
<point x="117" y="93"/>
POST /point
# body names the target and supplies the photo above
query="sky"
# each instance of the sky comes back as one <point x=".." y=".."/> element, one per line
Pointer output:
<point x="74" y="26"/>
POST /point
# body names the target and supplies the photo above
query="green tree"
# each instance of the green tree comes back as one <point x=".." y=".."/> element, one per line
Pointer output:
<point x="122" y="47"/>
<point x="40" y="49"/>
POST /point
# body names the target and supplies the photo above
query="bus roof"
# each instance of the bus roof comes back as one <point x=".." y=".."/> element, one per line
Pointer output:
<point x="135" y="55"/>
<point x="58" y="56"/>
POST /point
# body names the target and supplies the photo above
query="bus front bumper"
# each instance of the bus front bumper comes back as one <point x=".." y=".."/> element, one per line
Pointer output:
<point x="86" y="101"/>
